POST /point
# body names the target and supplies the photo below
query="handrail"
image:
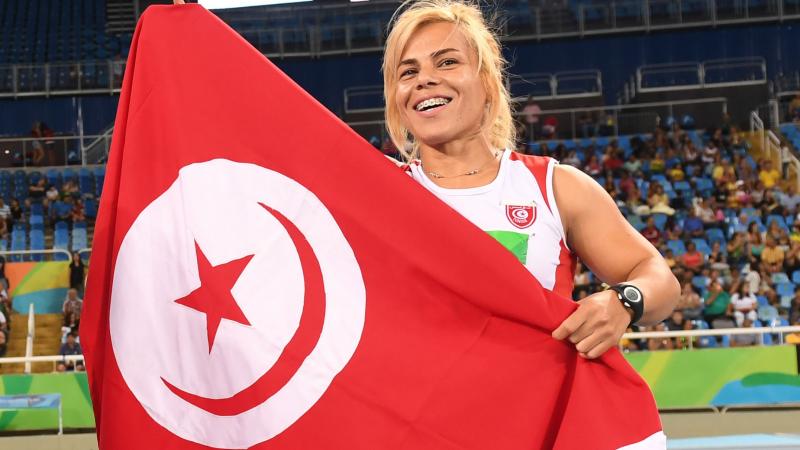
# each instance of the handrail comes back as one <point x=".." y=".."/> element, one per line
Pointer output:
<point x="29" y="339"/>
<point x="49" y="138"/>
<point x="711" y="332"/>
<point x="53" y="251"/>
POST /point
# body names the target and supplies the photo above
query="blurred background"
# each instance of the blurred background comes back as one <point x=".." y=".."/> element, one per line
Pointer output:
<point x="686" y="111"/>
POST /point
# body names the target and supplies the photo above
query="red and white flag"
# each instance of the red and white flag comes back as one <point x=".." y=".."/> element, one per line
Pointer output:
<point x="263" y="278"/>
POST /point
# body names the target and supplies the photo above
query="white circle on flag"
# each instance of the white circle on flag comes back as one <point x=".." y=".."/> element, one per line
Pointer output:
<point x="217" y="205"/>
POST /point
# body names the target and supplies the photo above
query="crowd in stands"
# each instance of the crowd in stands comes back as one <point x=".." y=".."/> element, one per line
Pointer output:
<point x="726" y="224"/>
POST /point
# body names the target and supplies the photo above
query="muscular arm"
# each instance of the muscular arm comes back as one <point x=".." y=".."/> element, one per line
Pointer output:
<point x="610" y="246"/>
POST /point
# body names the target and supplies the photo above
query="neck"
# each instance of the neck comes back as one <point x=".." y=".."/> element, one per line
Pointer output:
<point x="455" y="158"/>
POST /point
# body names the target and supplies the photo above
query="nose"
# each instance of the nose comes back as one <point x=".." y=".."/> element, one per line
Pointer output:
<point x="426" y="77"/>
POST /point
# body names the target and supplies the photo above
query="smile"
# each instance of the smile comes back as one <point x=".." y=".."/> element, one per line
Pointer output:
<point x="431" y="103"/>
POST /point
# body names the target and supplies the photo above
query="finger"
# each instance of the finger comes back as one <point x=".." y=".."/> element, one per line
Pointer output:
<point x="601" y="348"/>
<point x="570" y="324"/>
<point x="584" y="331"/>
<point x="595" y="339"/>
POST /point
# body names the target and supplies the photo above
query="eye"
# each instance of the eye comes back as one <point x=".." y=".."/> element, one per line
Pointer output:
<point x="448" y="62"/>
<point x="407" y="72"/>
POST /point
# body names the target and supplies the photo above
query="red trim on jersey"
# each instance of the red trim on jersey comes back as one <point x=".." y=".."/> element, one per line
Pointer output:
<point x="565" y="272"/>
<point x="538" y="167"/>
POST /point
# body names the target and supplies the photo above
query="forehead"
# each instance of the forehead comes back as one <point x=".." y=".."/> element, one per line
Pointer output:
<point x="430" y="37"/>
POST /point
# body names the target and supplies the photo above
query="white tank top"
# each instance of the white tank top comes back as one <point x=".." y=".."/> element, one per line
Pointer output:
<point x="519" y="210"/>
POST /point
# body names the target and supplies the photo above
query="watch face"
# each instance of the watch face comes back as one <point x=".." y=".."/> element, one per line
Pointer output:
<point x="631" y="294"/>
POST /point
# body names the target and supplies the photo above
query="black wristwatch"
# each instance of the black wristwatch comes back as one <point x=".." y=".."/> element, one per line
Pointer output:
<point x="631" y="297"/>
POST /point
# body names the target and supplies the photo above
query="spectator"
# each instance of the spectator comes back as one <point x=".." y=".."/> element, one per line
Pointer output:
<point x="3" y="322"/>
<point x="5" y="211"/>
<point x="572" y="159"/>
<point x="69" y="348"/>
<point x="37" y="191"/>
<point x="718" y="309"/>
<point x="651" y="232"/>
<point x="659" y="202"/>
<point x="550" y="127"/>
<point x="789" y="199"/>
<point x="744" y="340"/>
<point x="16" y="210"/>
<point x="768" y="175"/>
<point x="689" y="303"/>
<point x="72" y="303"/>
<point x="744" y="304"/>
<point x="716" y="259"/>
<point x="660" y="343"/>
<point x="3" y="343"/>
<point x="692" y="261"/>
<point x="72" y="322"/>
<point x="692" y="225"/>
<point x="755" y="244"/>
<point x="593" y="167"/>
<point x="772" y="257"/>
<point x="77" y="273"/>
<point x="77" y="214"/>
<point x="737" y="251"/>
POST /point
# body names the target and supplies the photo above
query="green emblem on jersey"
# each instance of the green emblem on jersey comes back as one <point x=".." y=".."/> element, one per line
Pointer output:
<point x="516" y="243"/>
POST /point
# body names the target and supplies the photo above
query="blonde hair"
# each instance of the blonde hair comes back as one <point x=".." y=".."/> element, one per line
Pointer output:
<point x="498" y="125"/>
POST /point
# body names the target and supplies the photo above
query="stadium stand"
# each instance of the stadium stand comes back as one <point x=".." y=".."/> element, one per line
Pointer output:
<point x="725" y="220"/>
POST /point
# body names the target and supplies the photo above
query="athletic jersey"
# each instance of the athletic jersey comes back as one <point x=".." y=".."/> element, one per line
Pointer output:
<point x="519" y="210"/>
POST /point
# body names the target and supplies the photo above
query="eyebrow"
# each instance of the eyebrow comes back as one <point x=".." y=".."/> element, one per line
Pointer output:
<point x="435" y="54"/>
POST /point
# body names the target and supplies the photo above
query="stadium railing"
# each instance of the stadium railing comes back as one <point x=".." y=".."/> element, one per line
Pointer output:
<point x="696" y="75"/>
<point x="640" y="118"/>
<point x="760" y="331"/>
<point x="63" y="150"/>
<point x="86" y="77"/>
<point x="281" y="31"/>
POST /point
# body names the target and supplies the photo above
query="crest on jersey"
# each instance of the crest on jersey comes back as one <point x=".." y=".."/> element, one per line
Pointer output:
<point x="521" y="216"/>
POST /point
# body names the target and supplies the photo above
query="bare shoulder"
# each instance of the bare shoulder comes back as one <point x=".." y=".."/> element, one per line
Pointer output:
<point x="576" y="192"/>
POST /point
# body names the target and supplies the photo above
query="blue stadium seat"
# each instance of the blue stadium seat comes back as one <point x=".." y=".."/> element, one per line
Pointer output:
<point x="716" y="235"/>
<point x="702" y="246"/>
<point x="660" y="220"/>
<point x="678" y="248"/>
<point x="700" y="281"/>
<point x="780" y="277"/>
<point x="37" y="243"/>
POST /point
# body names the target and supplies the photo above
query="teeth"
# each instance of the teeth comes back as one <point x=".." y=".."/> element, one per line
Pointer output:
<point x="438" y="101"/>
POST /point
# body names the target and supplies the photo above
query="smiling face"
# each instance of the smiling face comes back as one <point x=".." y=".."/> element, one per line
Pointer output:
<point x="439" y="92"/>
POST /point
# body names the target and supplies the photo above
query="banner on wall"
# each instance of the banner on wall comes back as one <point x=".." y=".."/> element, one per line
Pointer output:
<point x="43" y="284"/>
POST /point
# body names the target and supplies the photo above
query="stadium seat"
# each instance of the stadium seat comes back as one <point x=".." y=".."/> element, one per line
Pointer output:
<point x="715" y="235"/>
<point x="780" y="277"/>
<point x="702" y="246"/>
<point x="660" y="220"/>
<point x="700" y="281"/>
<point x="678" y="248"/>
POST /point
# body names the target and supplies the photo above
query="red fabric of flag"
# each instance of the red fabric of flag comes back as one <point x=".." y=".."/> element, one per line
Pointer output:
<point x="261" y="277"/>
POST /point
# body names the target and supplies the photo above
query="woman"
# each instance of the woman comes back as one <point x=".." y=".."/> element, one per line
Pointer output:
<point x="659" y="201"/>
<point x="76" y="273"/>
<point x="445" y="94"/>
<point x="744" y="304"/>
<point x="755" y="244"/>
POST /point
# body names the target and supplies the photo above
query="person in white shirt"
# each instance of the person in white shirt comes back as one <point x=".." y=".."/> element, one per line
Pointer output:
<point x="745" y="305"/>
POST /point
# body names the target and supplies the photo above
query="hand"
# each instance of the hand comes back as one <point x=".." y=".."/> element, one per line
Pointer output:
<point x="178" y="2"/>
<point x="597" y="324"/>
